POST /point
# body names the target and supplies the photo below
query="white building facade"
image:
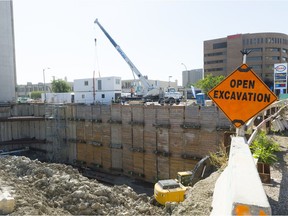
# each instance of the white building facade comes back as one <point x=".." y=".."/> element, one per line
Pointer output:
<point x="7" y="54"/>
<point x="99" y="90"/>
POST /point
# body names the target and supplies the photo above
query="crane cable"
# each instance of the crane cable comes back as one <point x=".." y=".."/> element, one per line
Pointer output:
<point x="96" y="58"/>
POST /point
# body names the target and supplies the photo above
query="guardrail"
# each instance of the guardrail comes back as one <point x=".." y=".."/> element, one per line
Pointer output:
<point x="239" y="190"/>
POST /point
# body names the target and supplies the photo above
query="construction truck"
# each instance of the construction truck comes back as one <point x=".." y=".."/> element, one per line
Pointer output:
<point x="149" y="93"/>
<point x="174" y="190"/>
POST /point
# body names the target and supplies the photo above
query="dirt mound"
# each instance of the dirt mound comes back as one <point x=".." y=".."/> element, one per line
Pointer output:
<point x="56" y="189"/>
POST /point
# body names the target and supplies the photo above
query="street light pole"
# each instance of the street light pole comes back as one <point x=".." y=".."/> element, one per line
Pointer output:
<point x="44" y="84"/>
<point x="184" y="66"/>
<point x="169" y="80"/>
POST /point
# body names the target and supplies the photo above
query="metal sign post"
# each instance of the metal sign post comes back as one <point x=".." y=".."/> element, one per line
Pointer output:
<point x="240" y="132"/>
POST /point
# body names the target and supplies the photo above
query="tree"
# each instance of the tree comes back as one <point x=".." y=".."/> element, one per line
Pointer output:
<point x="59" y="86"/>
<point x="36" y="95"/>
<point x="209" y="82"/>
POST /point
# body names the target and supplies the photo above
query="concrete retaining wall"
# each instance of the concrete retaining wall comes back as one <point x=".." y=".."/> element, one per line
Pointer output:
<point x="239" y="190"/>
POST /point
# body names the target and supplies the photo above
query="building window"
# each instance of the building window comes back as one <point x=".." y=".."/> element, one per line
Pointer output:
<point x="284" y="59"/>
<point x="102" y="95"/>
<point x="99" y="84"/>
<point x="214" y="54"/>
<point x="284" y="50"/>
<point x="269" y="67"/>
<point x="214" y="69"/>
<point x="275" y="57"/>
<point x="272" y="49"/>
<point x="256" y="67"/>
<point x="220" y="45"/>
<point x="117" y="81"/>
<point x="214" y="62"/>
<point x="254" y="58"/>
<point x="256" y="49"/>
<point x="83" y="96"/>
<point x="86" y="83"/>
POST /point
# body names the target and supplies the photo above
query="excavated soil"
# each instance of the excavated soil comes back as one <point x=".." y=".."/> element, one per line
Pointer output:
<point x="57" y="189"/>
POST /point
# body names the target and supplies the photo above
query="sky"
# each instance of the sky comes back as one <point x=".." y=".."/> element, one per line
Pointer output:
<point x="56" y="38"/>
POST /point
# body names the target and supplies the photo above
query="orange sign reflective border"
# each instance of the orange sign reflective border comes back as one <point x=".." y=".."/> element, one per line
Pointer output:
<point x="242" y="95"/>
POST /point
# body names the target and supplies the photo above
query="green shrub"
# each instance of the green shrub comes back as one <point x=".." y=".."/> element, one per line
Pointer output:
<point x="264" y="148"/>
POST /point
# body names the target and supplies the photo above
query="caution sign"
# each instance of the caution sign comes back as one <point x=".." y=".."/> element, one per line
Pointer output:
<point x="242" y="95"/>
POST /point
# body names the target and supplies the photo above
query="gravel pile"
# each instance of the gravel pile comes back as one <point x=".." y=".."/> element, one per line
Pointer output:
<point x="277" y="191"/>
<point x="56" y="189"/>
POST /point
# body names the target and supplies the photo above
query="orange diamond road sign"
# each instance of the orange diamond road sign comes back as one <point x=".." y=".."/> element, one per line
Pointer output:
<point x="242" y="95"/>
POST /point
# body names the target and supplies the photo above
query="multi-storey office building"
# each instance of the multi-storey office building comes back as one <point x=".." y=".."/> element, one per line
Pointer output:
<point x="222" y="56"/>
<point x="7" y="54"/>
<point x="191" y="76"/>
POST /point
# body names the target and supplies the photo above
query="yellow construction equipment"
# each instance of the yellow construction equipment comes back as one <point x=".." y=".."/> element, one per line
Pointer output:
<point x="173" y="190"/>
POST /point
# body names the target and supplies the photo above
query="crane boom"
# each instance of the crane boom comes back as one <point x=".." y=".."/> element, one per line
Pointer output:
<point x="143" y="80"/>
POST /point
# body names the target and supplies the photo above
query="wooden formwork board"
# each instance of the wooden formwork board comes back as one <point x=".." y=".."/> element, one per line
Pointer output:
<point x="97" y="132"/>
<point x="176" y="144"/>
<point x="88" y="131"/>
<point x="127" y="160"/>
<point x="127" y="135"/>
<point x="97" y="155"/>
<point x="81" y="151"/>
<point x="80" y="130"/>
<point x="150" y="168"/>
<point x="117" y="159"/>
<point x="116" y="112"/>
<point x="192" y="114"/>
<point x="5" y="111"/>
<point x="42" y="110"/>
<point x="106" y="141"/>
<point x="137" y="114"/>
<point x="15" y="130"/>
<point x="106" y="129"/>
<point x="138" y="162"/>
<point x="150" y="117"/>
<point x="88" y="112"/>
<point x="176" y="165"/>
<point x="150" y="144"/>
<point x="106" y="158"/>
<point x="69" y="112"/>
<point x="138" y="136"/>
<point x="96" y="110"/>
<point x="116" y="134"/>
<point x="25" y="129"/>
<point x="189" y="164"/>
<point x="162" y="115"/>
<point x="81" y="111"/>
<point x="71" y="152"/>
<point x="35" y="110"/>
<point x="32" y="129"/>
<point x="209" y="118"/>
<point x="126" y="115"/>
<point x="162" y="167"/>
<point x="105" y="113"/>
<point x="150" y="138"/>
<point x="162" y="139"/>
<point x="191" y="141"/>
<point x="5" y="131"/>
<point x="176" y="119"/>
<point x="71" y="130"/>
<point x="210" y="142"/>
<point x="89" y="154"/>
